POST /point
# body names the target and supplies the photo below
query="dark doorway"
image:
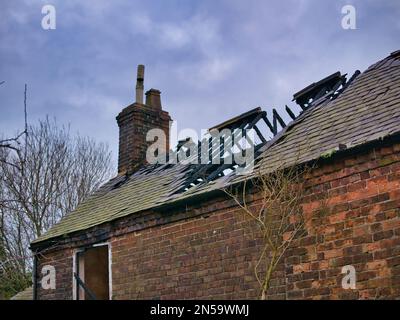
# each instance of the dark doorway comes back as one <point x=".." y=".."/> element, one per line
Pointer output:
<point x="93" y="274"/>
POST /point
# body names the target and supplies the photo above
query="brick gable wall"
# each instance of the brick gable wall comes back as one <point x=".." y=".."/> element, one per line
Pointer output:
<point x="211" y="254"/>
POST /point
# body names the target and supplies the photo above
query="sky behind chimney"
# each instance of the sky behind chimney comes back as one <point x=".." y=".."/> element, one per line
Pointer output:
<point x="211" y="59"/>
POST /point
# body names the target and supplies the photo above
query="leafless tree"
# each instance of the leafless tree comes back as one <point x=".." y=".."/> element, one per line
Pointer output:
<point x="10" y="276"/>
<point x="279" y="219"/>
<point x="43" y="180"/>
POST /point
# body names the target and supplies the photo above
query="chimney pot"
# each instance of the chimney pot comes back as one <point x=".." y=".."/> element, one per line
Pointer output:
<point x="139" y="84"/>
<point x="153" y="98"/>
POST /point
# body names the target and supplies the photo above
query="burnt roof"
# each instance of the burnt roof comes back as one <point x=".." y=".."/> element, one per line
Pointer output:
<point x="367" y="109"/>
<point x="247" y="116"/>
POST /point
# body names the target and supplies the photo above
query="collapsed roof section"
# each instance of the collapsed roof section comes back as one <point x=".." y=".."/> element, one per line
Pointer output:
<point x="247" y="125"/>
<point x="363" y="109"/>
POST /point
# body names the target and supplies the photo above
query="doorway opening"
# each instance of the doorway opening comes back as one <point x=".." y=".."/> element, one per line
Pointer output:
<point x="92" y="274"/>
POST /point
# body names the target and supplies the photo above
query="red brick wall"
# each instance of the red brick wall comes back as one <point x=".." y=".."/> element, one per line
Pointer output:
<point x="62" y="261"/>
<point x="362" y="229"/>
<point x="212" y="255"/>
<point x="200" y="258"/>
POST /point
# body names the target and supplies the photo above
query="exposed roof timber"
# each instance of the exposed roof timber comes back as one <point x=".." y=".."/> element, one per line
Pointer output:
<point x="271" y="128"/>
<point x="348" y="82"/>
<point x="243" y="117"/>
<point x="319" y="89"/>
<point x="315" y="86"/>
<point x="277" y="118"/>
<point x="290" y="112"/>
<point x="200" y="173"/>
<point x="260" y="134"/>
<point x="238" y="126"/>
<point x="326" y="88"/>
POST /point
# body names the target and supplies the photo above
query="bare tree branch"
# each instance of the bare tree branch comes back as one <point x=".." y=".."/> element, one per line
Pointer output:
<point x="14" y="142"/>
<point x="41" y="181"/>
<point x="278" y="215"/>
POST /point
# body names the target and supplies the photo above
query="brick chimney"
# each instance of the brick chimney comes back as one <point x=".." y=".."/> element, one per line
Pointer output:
<point x="135" y="121"/>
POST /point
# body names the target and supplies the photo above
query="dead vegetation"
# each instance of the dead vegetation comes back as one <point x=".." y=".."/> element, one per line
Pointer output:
<point x="278" y="215"/>
<point x="42" y="178"/>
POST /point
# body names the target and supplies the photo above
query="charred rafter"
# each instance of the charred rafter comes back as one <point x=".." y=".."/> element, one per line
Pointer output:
<point x="328" y="88"/>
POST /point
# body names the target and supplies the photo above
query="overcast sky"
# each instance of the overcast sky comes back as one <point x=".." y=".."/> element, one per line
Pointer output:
<point x="211" y="59"/>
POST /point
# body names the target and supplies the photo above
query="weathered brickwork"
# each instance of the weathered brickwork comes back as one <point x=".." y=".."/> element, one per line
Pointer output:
<point x="211" y="255"/>
<point x="134" y="123"/>
<point x="62" y="261"/>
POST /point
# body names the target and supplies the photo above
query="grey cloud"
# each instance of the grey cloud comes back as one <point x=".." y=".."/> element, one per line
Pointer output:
<point x="211" y="59"/>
